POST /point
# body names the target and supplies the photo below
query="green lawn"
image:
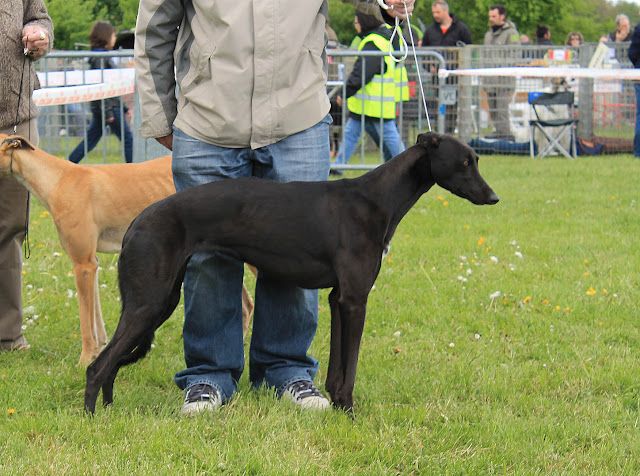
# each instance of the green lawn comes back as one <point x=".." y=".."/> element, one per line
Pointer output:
<point x="499" y="339"/>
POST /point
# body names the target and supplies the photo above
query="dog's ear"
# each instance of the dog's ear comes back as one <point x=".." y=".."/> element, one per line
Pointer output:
<point x="429" y="139"/>
<point x="16" y="142"/>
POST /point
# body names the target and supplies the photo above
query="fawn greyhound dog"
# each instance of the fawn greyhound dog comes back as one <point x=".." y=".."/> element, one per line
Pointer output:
<point x="92" y="207"/>
<point x="311" y="234"/>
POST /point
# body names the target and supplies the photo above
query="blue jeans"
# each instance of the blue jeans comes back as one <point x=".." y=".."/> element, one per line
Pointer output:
<point x="392" y="143"/>
<point x="285" y="317"/>
<point x="636" y="137"/>
<point x="94" y="134"/>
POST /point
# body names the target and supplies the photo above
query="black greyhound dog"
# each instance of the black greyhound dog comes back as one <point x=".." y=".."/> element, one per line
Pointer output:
<point x="311" y="234"/>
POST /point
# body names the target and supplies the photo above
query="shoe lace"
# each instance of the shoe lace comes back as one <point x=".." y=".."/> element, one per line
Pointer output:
<point x="304" y="389"/>
<point x="201" y="392"/>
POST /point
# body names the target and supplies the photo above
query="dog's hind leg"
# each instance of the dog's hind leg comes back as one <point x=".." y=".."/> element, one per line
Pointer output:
<point x="98" y="321"/>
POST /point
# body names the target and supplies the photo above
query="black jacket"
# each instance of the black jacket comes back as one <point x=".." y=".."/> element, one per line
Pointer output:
<point x="458" y="31"/>
<point x="634" y="48"/>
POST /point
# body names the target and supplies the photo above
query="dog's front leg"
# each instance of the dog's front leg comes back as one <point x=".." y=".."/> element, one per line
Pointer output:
<point x="351" y="321"/>
<point x="85" y="275"/>
<point x="334" y="372"/>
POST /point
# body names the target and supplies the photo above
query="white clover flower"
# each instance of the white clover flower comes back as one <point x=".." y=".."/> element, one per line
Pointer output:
<point x="495" y="295"/>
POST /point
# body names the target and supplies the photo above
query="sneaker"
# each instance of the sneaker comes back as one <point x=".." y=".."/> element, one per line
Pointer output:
<point x="200" y="397"/>
<point x="305" y="394"/>
<point x="20" y="343"/>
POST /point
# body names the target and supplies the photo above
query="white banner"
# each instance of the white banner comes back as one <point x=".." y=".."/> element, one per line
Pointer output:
<point x="51" y="79"/>
<point x="90" y="92"/>
<point x="551" y="72"/>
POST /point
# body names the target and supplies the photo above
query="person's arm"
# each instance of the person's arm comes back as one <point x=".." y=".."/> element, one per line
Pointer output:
<point x="37" y="34"/>
<point x="465" y="36"/>
<point x="371" y="68"/>
<point x="156" y="36"/>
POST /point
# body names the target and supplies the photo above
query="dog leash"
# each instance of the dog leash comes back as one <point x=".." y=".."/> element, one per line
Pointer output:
<point x="26" y="248"/>
<point x="404" y="49"/>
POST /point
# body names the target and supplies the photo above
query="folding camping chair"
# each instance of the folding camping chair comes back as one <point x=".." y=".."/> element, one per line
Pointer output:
<point x="560" y="125"/>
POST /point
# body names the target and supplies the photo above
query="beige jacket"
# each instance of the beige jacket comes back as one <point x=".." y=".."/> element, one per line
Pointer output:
<point x="249" y="72"/>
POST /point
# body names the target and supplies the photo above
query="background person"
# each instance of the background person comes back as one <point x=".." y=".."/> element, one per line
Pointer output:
<point x="28" y="26"/>
<point x="543" y="35"/>
<point x="574" y="38"/>
<point x="251" y="101"/>
<point x="446" y="30"/>
<point x="634" y="57"/>
<point x="377" y="98"/>
<point x="622" y="31"/>
<point x="103" y="38"/>
<point x="500" y="90"/>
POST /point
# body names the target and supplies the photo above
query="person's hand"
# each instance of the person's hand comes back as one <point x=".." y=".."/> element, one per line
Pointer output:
<point x="339" y="101"/>
<point x="621" y="34"/>
<point x="35" y="40"/>
<point x="397" y="9"/>
<point x="166" y="141"/>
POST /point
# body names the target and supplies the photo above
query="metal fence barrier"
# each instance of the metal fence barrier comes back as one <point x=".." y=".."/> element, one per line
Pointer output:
<point x="458" y="105"/>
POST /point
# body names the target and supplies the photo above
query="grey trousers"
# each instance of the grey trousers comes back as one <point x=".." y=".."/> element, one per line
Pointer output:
<point x="499" y="99"/>
<point x="14" y="209"/>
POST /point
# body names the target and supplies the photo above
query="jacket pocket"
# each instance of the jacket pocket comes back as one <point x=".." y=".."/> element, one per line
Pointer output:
<point x="199" y="69"/>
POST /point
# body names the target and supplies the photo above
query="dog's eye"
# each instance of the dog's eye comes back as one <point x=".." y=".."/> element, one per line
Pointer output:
<point x="466" y="162"/>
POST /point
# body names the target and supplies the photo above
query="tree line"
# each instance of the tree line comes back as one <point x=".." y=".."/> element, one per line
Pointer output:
<point x="592" y="18"/>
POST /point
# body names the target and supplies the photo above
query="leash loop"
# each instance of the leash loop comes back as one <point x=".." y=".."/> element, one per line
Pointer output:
<point x="405" y="49"/>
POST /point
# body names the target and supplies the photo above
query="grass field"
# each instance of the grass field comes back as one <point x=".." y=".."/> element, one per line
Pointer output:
<point x="499" y="340"/>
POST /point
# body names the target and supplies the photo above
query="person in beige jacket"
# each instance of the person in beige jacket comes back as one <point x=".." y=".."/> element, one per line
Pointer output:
<point x="24" y="24"/>
<point x="237" y="90"/>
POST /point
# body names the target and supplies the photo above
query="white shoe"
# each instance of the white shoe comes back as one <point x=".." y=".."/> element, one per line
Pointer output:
<point x="199" y="398"/>
<point x="305" y="394"/>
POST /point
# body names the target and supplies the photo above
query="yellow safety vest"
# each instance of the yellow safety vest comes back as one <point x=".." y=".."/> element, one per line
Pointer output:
<point x="378" y="97"/>
<point x="402" y="79"/>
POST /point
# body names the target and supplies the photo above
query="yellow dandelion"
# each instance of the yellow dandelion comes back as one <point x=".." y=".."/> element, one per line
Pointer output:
<point x="440" y="198"/>
<point x="591" y="291"/>
<point x="613" y="198"/>
<point x="586" y="274"/>
<point x="75" y="336"/>
<point x="545" y="301"/>
<point x="467" y="227"/>
<point x="480" y="241"/>
<point x="11" y="411"/>
<point x="568" y="214"/>
<point x="24" y="272"/>
<point x="586" y="261"/>
<point x="605" y="292"/>
<point x="445" y="203"/>
<point x="527" y="299"/>
<point x="567" y="308"/>
<point x="558" y="308"/>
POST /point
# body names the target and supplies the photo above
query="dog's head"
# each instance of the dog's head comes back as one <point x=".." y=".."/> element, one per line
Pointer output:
<point x="454" y="166"/>
<point x="7" y="145"/>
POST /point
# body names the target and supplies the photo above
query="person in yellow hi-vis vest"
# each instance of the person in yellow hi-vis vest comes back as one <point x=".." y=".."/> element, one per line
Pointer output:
<point x="372" y="93"/>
